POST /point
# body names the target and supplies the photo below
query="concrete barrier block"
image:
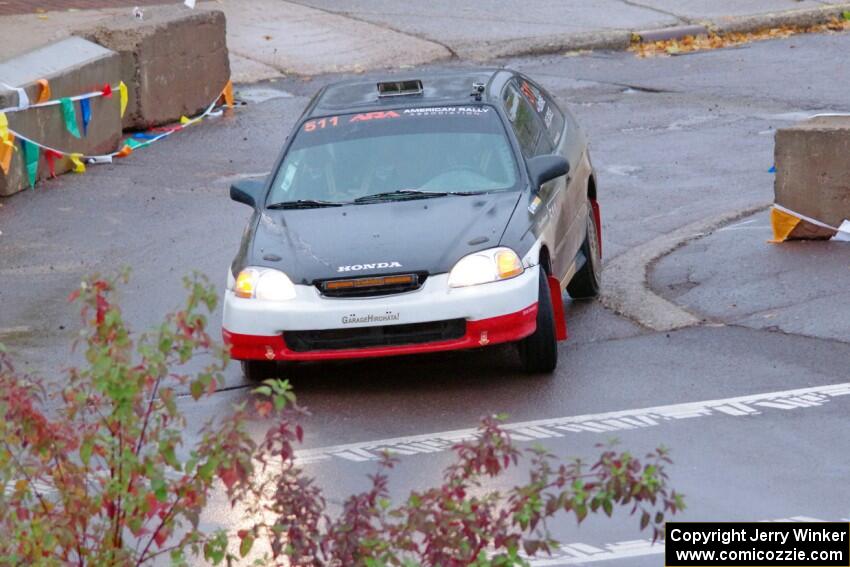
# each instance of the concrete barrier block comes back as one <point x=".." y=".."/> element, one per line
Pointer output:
<point x="174" y="61"/>
<point x="813" y="168"/>
<point x="73" y="66"/>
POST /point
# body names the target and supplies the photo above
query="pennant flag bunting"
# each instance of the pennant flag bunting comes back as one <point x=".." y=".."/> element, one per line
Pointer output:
<point x="85" y="112"/>
<point x="31" y="159"/>
<point x="70" y="117"/>
<point x="843" y="234"/>
<point x="125" y="151"/>
<point x="4" y="127"/>
<point x="51" y="156"/>
<point x="6" y="152"/>
<point x="43" y="91"/>
<point x="227" y="93"/>
<point x="31" y="150"/>
<point x="789" y="225"/>
<point x="782" y="223"/>
<point x="79" y="166"/>
<point x="122" y="90"/>
<point x="132" y="143"/>
<point x="23" y="99"/>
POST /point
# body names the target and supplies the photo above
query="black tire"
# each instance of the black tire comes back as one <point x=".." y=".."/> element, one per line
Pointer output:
<point x="259" y="370"/>
<point x="586" y="282"/>
<point x="539" y="352"/>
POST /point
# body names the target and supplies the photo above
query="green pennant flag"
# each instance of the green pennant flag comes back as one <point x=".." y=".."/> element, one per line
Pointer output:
<point x="134" y="143"/>
<point x="70" y="117"/>
<point x="31" y="159"/>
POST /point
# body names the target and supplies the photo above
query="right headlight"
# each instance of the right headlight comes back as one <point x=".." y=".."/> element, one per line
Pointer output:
<point x="264" y="283"/>
<point x="487" y="266"/>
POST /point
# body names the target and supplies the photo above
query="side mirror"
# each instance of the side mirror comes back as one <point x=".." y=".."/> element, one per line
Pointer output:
<point x="546" y="168"/>
<point x="247" y="191"/>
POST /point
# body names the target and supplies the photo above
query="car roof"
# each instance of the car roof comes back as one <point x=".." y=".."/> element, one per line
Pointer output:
<point x="438" y="87"/>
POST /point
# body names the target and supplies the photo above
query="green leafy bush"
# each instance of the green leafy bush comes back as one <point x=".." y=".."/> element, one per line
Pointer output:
<point x="100" y="473"/>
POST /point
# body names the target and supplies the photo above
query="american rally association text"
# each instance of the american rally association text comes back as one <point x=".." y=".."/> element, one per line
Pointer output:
<point x="726" y="537"/>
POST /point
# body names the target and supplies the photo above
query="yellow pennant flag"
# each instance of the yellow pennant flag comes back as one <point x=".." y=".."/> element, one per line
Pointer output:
<point x="79" y="166"/>
<point x="122" y="90"/>
<point x="4" y="127"/>
<point x="186" y="121"/>
<point x="783" y="224"/>
<point x="227" y="93"/>
<point x="6" y="150"/>
<point x="43" y="91"/>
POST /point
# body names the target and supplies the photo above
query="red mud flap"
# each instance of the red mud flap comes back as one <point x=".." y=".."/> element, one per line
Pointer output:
<point x="558" y="308"/>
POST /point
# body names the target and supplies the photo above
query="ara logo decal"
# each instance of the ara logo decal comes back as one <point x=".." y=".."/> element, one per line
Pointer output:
<point x="377" y="266"/>
<point x="374" y="116"/>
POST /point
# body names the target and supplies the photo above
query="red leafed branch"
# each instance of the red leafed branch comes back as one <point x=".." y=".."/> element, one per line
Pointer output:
<point x="102" y="471"/>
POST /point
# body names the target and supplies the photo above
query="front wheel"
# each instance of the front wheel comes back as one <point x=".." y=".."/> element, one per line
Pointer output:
<point x="259" y="370"/>
<point x="586" y="282"/>
<point x="539" y="351"/>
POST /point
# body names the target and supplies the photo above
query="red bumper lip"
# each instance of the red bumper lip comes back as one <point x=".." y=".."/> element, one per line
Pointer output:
<point x="502" y="329"/>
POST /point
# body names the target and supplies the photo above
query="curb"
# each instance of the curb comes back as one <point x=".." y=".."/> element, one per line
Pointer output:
<point x="620" y="39"/>
<point x="613" y="40"/>
<point x="625" y="287"/>
<point x="675" y="32"/>
<point x="804" y="17"/>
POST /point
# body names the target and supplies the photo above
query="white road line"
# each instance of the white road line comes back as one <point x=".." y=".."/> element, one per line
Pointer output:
<point x="529" y="431"/>
<point x="582" y="553"/>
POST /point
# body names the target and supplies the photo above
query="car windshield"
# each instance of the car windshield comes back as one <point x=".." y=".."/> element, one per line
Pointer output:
<point x="404" y="153"/>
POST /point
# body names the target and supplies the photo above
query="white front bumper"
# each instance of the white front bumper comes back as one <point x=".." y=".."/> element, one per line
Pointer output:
<point x="434" y="301"/>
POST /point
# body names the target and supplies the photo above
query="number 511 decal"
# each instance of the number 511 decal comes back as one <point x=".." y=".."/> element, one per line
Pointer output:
<point x="321" y="123"/>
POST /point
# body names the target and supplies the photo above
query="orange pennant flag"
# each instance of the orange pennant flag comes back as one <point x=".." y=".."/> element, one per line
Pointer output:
<point x="124" y="152"/>
<point x="782" y="224"/>
<point x="7" y="148"/>
<point x="227" y="93"/>
<point x="43" y="91"/>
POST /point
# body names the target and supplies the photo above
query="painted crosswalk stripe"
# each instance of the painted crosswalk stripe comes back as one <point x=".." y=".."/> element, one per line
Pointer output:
<point x="582" y="553"/>
<point x="749" y="406"/>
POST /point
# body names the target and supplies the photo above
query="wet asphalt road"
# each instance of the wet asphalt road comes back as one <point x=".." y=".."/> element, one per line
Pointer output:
<point x="674" y="140"/>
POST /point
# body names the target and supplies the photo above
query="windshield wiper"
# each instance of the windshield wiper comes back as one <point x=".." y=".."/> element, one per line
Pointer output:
<point x="303" y="204"/>
<point x="400" y="193"/>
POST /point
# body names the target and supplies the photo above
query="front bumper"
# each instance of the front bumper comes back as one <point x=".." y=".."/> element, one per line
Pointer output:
<point x="495" y="313"/>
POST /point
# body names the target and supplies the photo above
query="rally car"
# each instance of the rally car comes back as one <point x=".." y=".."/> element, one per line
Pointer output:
<point x="440" y="212"/>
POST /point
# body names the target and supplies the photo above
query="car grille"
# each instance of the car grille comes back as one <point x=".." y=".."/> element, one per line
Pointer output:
<point x="371" y="286"/>
<point x="366" y="337"/>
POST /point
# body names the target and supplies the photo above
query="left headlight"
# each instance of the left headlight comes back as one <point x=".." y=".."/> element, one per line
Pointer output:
<point x="264" y="283"/>
<point x="491" y="265"/>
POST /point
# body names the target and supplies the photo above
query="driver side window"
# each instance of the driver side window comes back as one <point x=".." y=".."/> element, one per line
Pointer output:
<point x="524" y="122"/>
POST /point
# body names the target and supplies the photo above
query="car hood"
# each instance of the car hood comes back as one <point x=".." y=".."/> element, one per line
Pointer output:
<point x="420" y="235"/>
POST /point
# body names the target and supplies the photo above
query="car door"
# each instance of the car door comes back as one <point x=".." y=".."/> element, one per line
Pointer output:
<point x="573" y="199"/>
<point x="521" y="99"/>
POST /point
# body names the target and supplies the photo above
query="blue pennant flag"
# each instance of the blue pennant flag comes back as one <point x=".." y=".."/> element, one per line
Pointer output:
<point x="85" y="111"/>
